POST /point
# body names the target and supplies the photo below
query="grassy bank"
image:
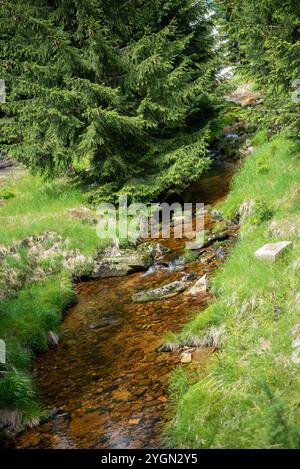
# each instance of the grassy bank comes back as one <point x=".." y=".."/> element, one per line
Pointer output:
<point x="247" y="395"/>
<point x="32" y="207"/>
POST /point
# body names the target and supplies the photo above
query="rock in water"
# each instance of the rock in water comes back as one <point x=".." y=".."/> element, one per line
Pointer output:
<point x="162" y="292"/>
<point x="118" y="266"/>
<point x="273" y="251"/>
<point x="199" y="287"/>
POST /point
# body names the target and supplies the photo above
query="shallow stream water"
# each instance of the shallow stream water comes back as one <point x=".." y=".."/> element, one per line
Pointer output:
<point x="106" y="376"/>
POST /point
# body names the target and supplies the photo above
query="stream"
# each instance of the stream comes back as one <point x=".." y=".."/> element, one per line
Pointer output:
<point x="106" y="380"/>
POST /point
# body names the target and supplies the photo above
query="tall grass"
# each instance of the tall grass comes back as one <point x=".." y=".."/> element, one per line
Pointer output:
<point x="26" y="319"/>
<point x="249" y="395"/>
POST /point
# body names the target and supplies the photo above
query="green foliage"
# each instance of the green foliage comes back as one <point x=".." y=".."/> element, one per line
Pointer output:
<point x="264" y="41"/>
<point x="190" y="256"/>
<point x="121" y="91"/>
<point x="26" y="318"/>
<point x="262" y="164"/>
<point x="25" y="323"/>
<point x="16" y="391"/>
<point x="260" y="137"/>
<point x="6" y="194"/>
<point x="249" y="184"/>
<point x="262" y="212"/>
<point x="38" y="207"/>
<point x="248" y="394"/>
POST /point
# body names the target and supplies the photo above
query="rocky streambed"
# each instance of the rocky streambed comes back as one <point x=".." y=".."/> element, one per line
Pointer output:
<point x="106" y="383"/>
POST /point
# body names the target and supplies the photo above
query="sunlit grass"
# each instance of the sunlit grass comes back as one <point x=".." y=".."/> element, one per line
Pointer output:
<point x="32" y="207"/>
<point x="249" y="395"/>
<point x="38" y="207"/>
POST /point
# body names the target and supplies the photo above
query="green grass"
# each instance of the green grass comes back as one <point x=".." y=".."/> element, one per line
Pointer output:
<point x="27" y="317"/>
<point x="25" y="321"/>
<point x="38" y="207"/>
<point x="249" y="394"/>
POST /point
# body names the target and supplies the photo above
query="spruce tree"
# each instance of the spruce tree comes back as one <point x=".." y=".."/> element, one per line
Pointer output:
<point x="264" y="40"/>
<point x="122" y="88"/>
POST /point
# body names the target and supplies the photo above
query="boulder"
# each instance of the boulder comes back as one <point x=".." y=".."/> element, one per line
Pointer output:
<point x="124" y="264"/>
<point x="127" y="261"/>
<point x="273" y="251"/>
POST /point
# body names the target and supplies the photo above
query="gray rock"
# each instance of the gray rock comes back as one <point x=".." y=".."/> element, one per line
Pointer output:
<point x="273" y="251"/>
<point x="199" y="287"/>
<point x="152" y="249"/>
<point x="296" y="264"/>
<point x="118" y="266"/>
<point x="246" y="210"/>
<point x="194" y="246"/>
<point x="296" y="330"/>
<point x="53" y="338"/>
<point x="296" y="356"/>
<point x="297" y="301"/>
<point x="189" y="277"/>
<point x="162" y="292"/>
<point x="11" y="422"/>
<point x="285" y="228"/>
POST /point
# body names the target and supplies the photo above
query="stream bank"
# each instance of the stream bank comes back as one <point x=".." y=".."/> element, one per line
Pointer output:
<point x="105" y="383"/>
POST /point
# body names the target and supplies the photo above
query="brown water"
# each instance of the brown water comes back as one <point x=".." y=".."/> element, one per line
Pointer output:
<point x="110" y="382"/>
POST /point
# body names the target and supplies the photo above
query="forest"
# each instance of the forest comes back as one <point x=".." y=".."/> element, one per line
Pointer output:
<point x="131" y="342"/>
